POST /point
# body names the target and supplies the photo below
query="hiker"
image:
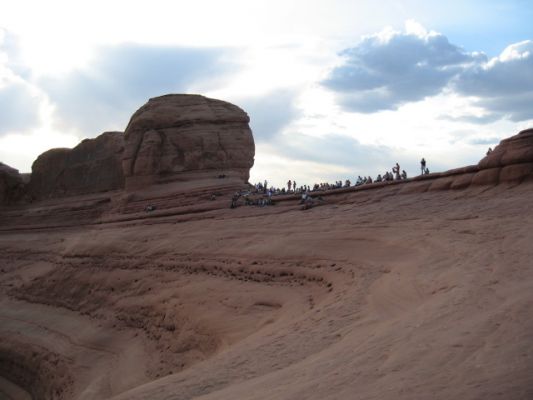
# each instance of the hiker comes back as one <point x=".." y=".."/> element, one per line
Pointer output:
<point x="423" y="165"/>
<point x="289" y="184"/>
<point x="234" y="199"/>
<point x="426" y="171"/>
<point x="404" y="174"/>
<point x="396" y="171"/>
<point x="489" y="150"/>
<point x="294" y="186"/>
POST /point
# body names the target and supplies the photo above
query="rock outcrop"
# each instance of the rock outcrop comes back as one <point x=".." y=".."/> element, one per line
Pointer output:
<point x="510" y="162"/>
<point x="512" y="159"/>
<point x="12" y="185"/>
<point x="185" y="138"/>
<point x="92" y="166"/>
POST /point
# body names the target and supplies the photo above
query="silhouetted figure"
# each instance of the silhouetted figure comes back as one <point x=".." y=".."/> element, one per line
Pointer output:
<point x="289" y="184"/>
<point x="423" y="166"/>
<point x="396" y="171"/>
<point x="404" y="174"/>
<point x="489" y="150"/>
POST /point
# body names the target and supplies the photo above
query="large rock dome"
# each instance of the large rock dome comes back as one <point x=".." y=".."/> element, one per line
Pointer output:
<point x="184" y="137"/>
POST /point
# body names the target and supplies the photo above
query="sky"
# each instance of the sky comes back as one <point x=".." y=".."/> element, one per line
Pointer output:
<point x="334" y="89"/>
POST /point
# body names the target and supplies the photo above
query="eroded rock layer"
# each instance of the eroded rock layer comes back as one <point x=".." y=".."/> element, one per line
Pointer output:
<point x="187" y="137"/>
<point x="92" y="166"/>
<point x="11" y="184"/>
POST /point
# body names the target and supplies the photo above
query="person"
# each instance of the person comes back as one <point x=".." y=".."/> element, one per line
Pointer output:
<point x="294" y="186"/>
<point x="234" y="199"/>
<point x="404" y="174"/>
<point x="423" y="166"/>
<point x="396" y="170"/>
<point x="379" y="178"/>
<point x="426" y="171"/>
<point x="489" y="150"/>
<point x="289" y="184"/>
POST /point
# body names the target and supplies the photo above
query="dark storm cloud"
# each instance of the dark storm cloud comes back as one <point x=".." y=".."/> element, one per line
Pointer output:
<point x="122" y="78"/>
<point x="19" y="109"/>
<point x="384" y="72"/>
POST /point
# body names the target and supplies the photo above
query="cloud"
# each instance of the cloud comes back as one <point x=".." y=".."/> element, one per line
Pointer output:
<point x="336" y="149"/>
<point x="271" y="113"/>
<point x="484" y="141"/>
<point x="19" y="108"/>
<point x="121" y="78"/>
<point x="503" y="86"/>
<point x="391" y="68"/>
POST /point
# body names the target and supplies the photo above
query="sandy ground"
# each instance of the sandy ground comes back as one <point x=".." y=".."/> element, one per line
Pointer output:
<point x="373" y="295"/>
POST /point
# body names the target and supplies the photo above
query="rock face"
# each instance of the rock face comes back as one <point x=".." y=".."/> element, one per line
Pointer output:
<point x="187" y="137"/>
<point x="92" y="166"/>
<point x="12" y="185"/>
<point x="517" y="149"/>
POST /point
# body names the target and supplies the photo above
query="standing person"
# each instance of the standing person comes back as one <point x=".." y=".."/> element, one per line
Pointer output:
<point x="423" y="166"/>
<point x="289" y="184"/>
<point x="396" y="170"/>
<point x="294" y="186"/>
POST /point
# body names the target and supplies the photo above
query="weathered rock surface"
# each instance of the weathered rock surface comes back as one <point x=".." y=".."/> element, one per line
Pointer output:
<point x="514" y="150"/>
<point x="11" y="184"/>
<point x="92" y="166"/>
<point x="187" y="137"/>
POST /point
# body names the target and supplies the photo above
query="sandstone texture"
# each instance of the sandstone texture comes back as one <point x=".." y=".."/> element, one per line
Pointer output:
<point x="402" y="290"/>
<point x="92" y="166"/>
<point x="514" y="150"/>
<point x="185" y="138"/>
<point x="11" y="185"/>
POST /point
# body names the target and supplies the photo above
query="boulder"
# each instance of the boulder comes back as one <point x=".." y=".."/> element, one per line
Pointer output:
<point x="94" y="165"/>
<point x="185" y="138"/>
<point x="12" y="185"/>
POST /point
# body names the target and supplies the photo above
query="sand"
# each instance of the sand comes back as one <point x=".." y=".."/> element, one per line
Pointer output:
<point x="373" y="295"/>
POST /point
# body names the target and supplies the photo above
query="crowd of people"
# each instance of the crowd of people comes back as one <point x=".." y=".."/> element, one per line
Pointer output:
<point x="266" y="193"/>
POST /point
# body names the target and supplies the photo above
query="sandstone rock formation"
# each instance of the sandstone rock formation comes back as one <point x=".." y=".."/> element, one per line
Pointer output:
<point x="11" y="184"/>
<point x="187" y="137"/>
<point x="92" y="166"/>
<point x="512" y="159"/>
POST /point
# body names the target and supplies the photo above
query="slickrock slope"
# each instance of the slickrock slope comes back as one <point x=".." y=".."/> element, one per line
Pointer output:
<point x="186" y="138"/>
<point x="411" y="290"/>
